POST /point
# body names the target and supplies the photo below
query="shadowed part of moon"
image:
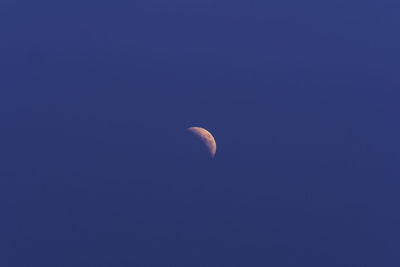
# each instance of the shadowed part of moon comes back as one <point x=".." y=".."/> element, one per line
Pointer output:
<point x="206" y="137"/>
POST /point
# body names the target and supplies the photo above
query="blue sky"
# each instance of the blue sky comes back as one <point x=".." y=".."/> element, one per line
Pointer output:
<point x="301" y="97"/>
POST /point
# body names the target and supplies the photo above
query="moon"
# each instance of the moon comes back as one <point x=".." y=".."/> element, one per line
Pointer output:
<point x="206" y="137"/>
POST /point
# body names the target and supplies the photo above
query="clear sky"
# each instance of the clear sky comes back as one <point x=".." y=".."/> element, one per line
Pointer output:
<point x="302" y="98"/>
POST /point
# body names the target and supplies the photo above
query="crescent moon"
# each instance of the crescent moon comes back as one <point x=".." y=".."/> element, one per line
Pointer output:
<point x="206" y="137"/>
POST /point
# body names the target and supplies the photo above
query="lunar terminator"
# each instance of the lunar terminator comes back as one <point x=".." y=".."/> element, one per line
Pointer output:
<point x="206" y="137"/>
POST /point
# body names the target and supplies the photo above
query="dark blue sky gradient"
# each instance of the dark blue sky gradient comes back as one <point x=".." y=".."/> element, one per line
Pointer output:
<point x="302" y="98"/>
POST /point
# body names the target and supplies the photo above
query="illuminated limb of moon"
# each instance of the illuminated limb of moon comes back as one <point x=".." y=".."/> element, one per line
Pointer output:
<point x="206" y="137"/>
